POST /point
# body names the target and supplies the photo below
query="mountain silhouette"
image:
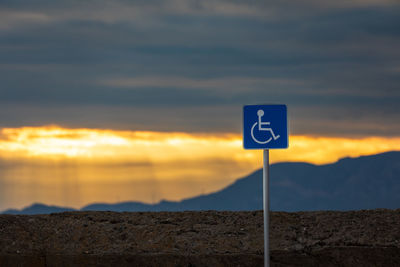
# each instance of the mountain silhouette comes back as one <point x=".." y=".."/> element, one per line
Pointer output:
<point x="38" y="208"/>
<point x="366" y="182"/>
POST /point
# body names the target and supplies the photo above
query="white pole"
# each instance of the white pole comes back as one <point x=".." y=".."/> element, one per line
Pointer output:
<point x="266" y="206"/>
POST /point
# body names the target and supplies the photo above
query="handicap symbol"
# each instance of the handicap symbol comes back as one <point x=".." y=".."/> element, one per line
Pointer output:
<point x="260" y="128"/>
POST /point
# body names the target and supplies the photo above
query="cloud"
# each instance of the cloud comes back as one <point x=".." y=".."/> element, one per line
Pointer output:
<point x="10" y="19"/>
<point x="145" y="13"/>
<point x="215" y="86"/>
<point x="197" y="62"/>
<point x="142" y="147"/>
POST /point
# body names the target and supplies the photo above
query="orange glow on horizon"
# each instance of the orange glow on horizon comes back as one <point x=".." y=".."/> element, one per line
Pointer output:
<point x="101" y="146"/>
<point x="113" y="166"/>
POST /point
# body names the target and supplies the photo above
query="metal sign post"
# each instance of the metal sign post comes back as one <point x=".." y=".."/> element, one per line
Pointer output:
<point x="265" y="127"/>
<point x="266" y="206"/>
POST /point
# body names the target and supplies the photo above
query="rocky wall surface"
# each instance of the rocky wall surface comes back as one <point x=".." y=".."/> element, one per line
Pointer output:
<point x="207" y="238"/>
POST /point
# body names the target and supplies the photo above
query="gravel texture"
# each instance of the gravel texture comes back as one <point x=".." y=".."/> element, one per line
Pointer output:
<point x="207" y="238"/>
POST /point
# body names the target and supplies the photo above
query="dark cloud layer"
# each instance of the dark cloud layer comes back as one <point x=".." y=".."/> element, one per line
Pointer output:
<point x="190" y="65"/>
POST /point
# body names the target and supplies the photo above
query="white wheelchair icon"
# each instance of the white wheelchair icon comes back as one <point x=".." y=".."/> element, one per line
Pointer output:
<point x="261" y="128"/>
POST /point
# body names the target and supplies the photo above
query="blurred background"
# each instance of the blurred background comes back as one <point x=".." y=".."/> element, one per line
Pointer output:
<point x="109" y="101"/>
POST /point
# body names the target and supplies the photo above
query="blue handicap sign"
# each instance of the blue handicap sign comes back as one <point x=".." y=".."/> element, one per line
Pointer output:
<point x="265" y="126"/>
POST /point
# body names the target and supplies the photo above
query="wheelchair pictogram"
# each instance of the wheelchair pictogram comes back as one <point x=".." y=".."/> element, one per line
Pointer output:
<point x="261" y="128"/>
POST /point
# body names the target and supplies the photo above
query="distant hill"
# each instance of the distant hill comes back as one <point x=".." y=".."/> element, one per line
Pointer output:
<point x="38" y="209"/>
<point x="366" y="182"/>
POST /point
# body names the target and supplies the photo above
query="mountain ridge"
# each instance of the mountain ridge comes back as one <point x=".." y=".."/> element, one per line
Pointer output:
<point x="347" y="184"/>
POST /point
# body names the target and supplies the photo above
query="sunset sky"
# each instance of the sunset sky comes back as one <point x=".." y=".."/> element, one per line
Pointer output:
<point x="107" y="101"/>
